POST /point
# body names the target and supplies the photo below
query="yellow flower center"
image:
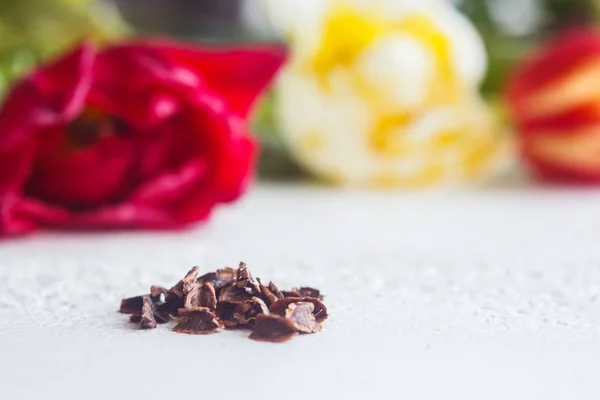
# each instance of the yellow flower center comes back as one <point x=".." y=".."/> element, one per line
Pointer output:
<point x="346" y="34"/>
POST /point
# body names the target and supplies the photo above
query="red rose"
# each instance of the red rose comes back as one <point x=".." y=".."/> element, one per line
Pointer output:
<point x="141" y="135"/>
<point x="555" y="101"/>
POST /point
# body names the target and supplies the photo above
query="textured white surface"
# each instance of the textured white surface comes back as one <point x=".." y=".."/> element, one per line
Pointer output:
<point x="434" y="295"/>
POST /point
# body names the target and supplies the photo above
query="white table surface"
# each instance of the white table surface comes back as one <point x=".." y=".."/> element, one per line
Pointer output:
<point x="434" y="295"/>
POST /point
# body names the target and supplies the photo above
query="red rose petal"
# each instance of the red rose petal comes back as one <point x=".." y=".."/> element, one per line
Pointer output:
<point x="145" y="111"/>
<point x="231" y="156"/>
<point x="158" y="151"/>
<point x="232" y="179"/>
<point x="169" y="146"/>
<point x="15" y="165"/>
<point x="550" y="170"/>
<point x="127" y="77"/>
<point x="169" y="186"/>
<point x="567" y="122"/>
<point x="237" y="74"/>
<point x="54" y="93"/>
<point x="232" y="171"/>
<point x="11" y="223"/>
<point x="84" y="178"/>
<point x="125" y="216"/>
<point x="122" y="216"/>
<point x="556" y="58"/>
<point x="554" y="61"/>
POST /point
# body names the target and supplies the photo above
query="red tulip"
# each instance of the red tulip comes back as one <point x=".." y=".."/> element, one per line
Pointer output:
<point x="140" y="135"/>
<point x="555" y="101"/>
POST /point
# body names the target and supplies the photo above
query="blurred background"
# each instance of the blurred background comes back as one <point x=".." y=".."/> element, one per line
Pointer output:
<point x="33" y="30"/>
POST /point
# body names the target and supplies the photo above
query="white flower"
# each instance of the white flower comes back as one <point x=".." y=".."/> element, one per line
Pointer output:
<point x="383" y="92"/>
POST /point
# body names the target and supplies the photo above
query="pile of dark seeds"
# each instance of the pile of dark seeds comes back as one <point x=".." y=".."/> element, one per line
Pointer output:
<point x="229" y="298"/>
